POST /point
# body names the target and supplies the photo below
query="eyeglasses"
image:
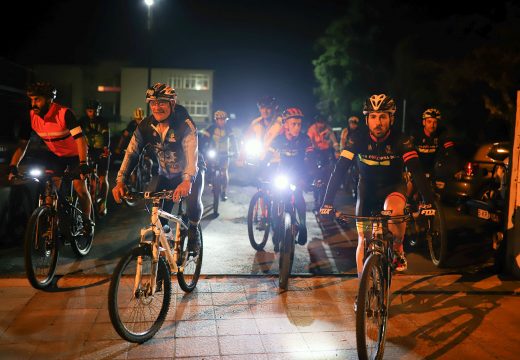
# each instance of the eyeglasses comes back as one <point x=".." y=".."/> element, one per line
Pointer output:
<point x="160" y="103"/>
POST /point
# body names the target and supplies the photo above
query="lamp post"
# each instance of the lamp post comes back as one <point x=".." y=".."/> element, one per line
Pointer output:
<point x="149" y="4"/>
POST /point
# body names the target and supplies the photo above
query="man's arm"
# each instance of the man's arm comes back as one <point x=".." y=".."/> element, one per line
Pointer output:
<point x="19" y="153"/>
<point x="74" y="126"/>
<point x="342" y="165"/>
<point x="411" y="161"/>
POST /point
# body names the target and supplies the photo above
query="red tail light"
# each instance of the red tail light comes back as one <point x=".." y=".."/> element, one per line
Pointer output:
<point x="470" y="169"/>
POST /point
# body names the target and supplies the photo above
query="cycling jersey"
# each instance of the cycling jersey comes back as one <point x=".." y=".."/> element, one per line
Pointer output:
<point x="293" y="153"/>
<point x="176" y="150"/>
<point x="322" y="138"/>
<point x="380" y="162"/>
<point x="96" y="132"/>
<point x="58" y="129"/>
<point x="431" y="148"/>
<point x="222" y="138"/>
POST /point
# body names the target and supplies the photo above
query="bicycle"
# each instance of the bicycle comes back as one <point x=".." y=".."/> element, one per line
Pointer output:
<point x="215" y="176"/>
<point x="437" y="238"/>
<point x="259" y="216"/>
<point x="140" y="288"/>
<point x="141" y="177"/>
<point x="56" y="221"/>
<point x="373" y="299"/>
<point x="94" y="186"/>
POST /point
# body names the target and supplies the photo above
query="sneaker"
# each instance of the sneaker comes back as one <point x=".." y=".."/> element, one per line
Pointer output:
<point x="302" y="235"/>
<point x="223" y="196"/>
<point x="400" y="262"/>
<point x="193" y="239"/>
<point x="102" y="209"/>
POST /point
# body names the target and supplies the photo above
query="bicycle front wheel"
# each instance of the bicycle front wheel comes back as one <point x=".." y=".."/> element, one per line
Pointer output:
<point x="41" y="247"/>
<point x="286" y="252"/>
<point x="190" y="264"/>
<point x="135" y="312"/>
<point x="438" y="238"/>
<point x="372" y="309"/>
<point x="81" y="242"/>
<point x="258" y="224"/>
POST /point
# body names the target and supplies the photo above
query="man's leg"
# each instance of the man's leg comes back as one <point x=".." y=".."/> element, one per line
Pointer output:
<point x="194" y="211"/>
<point x="397" y="202"/>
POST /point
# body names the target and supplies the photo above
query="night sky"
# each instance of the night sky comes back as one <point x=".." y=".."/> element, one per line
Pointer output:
<point x="255" y="47"/>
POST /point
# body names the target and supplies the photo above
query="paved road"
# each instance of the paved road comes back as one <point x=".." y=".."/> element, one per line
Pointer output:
<point x="330" y="249"/>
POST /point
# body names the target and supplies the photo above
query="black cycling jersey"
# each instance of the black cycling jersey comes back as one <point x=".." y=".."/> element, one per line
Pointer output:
<point x="222" y="139"/>
<point x="380" y="162"/>
<point x="96" y="131"/>
<point x="293" y="153"/>
<point x="431" y="148"/>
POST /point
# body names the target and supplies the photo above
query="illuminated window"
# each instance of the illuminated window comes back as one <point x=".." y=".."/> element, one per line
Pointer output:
<point x="197" y="108"/>
<point x="190" y="81"/>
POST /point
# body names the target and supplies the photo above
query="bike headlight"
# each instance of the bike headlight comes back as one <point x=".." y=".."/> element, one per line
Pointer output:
<point x="281" y="182"/>
<point x="212" y="154"/>
<point x="35" y="172"/>
<point x="253" y="147"/>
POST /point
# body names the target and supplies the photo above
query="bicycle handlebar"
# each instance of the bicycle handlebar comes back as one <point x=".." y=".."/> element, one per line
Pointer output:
<point x="150" y="195"/>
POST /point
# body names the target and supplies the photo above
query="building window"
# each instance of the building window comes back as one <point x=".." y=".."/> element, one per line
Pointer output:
<point x="190" y="81"/>
<point x="197" y="108"/>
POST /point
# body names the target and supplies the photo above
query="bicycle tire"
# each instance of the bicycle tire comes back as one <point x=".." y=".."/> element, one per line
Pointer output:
<point x="41" y="277"/>
<point x="438" y="238"/>
<point x="127" y="311"/>
<point x="372" y="309"/>
<point x="287" y="244"/>
<point x="80" y="243"/>
<point x="216" y="192"/>
<point x="189" y="269"/>
<point x="258" y="237"/>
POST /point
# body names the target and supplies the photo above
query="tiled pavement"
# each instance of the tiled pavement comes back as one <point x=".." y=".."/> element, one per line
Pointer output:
<point x="449" y="316"/>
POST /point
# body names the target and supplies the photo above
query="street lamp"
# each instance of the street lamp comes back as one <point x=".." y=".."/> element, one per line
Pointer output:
<point x="149" y="4"/>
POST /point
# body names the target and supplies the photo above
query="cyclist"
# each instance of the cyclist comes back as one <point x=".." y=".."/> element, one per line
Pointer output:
<point x="326" y="149"/>
<point x="137" y="117"/>
<point x="220" y="136"/>
<point x="294" y="148"/>
<point x="172" y="134"/>
<point x="381" y="153"/>
<point x="61" y="131"/>
<point x="97" y="133"/>
<point x="346" y="134"/>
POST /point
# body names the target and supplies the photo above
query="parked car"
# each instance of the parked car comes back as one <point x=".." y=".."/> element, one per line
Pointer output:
<point x="486" y="166"/>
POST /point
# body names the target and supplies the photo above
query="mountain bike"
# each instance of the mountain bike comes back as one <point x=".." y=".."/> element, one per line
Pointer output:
<point x="373" y="299"/>
<point x="56" y="221"/>
<point x="437" y="237"/>
<point x="215" y="175"/>
<point x="140" y="288"/>
<point x="286" y="226"/>
<point x="141" y="177"/>
<point x="259" y="216"/>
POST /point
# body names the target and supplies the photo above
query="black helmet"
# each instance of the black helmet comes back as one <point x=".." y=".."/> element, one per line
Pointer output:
<point x="94" y="105"/>
<point x="431" y="113"/>
<point x="379" y="103"/>
<point x="161" y="91"/>
<point x="42" y="88"/>
<point x="268" y="101"/>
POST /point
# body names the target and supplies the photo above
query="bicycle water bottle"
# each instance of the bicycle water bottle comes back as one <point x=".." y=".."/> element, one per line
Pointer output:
<point x="169" y="235"/>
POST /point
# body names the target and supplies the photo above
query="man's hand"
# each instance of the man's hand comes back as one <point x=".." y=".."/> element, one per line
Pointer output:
<point x="13" y="171"/>
<point x="118" y="191"/>
<point x="182" y="190"/>
<point x="327" y="211"/>
<point x="84" y="170"/>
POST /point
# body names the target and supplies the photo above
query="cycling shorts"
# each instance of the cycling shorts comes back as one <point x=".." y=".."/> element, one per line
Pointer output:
<point x="371" y="197"/>
<point x="58" y="164"/>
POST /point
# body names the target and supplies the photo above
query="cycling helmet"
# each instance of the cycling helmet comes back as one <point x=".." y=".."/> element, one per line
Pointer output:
<point x="379" y="103"/>
<point x="431" y="113"/>
<point x="268" y="101"/>
<point x="42" y="88"/>
<point x="292" y="113"/>
<point x="138" y="113"/>
<point x="161" y="91"/>
<point x="221" y="114"/>
<point x="94" y="105"/>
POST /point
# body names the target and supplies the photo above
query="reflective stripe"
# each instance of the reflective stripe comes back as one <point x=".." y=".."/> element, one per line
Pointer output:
<point x="56" y="139"/>
<point x="50" y="134"/>
<point x="76" y="130"/>
<point x="373" y="162"/>
<point x="347" y="154"/>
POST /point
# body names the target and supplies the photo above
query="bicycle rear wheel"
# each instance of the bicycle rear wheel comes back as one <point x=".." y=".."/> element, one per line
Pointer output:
<point x="372" y="309"/>
<point x="81" y="242"/>
<point x="286" y="252"/>
<point x="437" y="237"/>
<point x="41" y="247"/>
<point x="135" y="313"/>
<point x="189" y="265"/>
<point x="258" y="224"/>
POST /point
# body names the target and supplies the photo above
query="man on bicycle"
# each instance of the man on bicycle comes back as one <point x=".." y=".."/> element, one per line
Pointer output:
<point x="294" y="148"/>
<point x="97" y="133"/>
<point x="126" y="134"/>
<point x="61" y="131"/>
<point x="172" y="134"/>
<point x="350" y="181"/>
<point x="381" y="153"/>
<point x="219" y="137"/>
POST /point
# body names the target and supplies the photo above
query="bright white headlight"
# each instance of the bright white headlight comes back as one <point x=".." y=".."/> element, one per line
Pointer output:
<point x="212" y="154"/>
<point x="35" y="172"/>
<point x="281" y="182"/>
<point x="253" y="147"/>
